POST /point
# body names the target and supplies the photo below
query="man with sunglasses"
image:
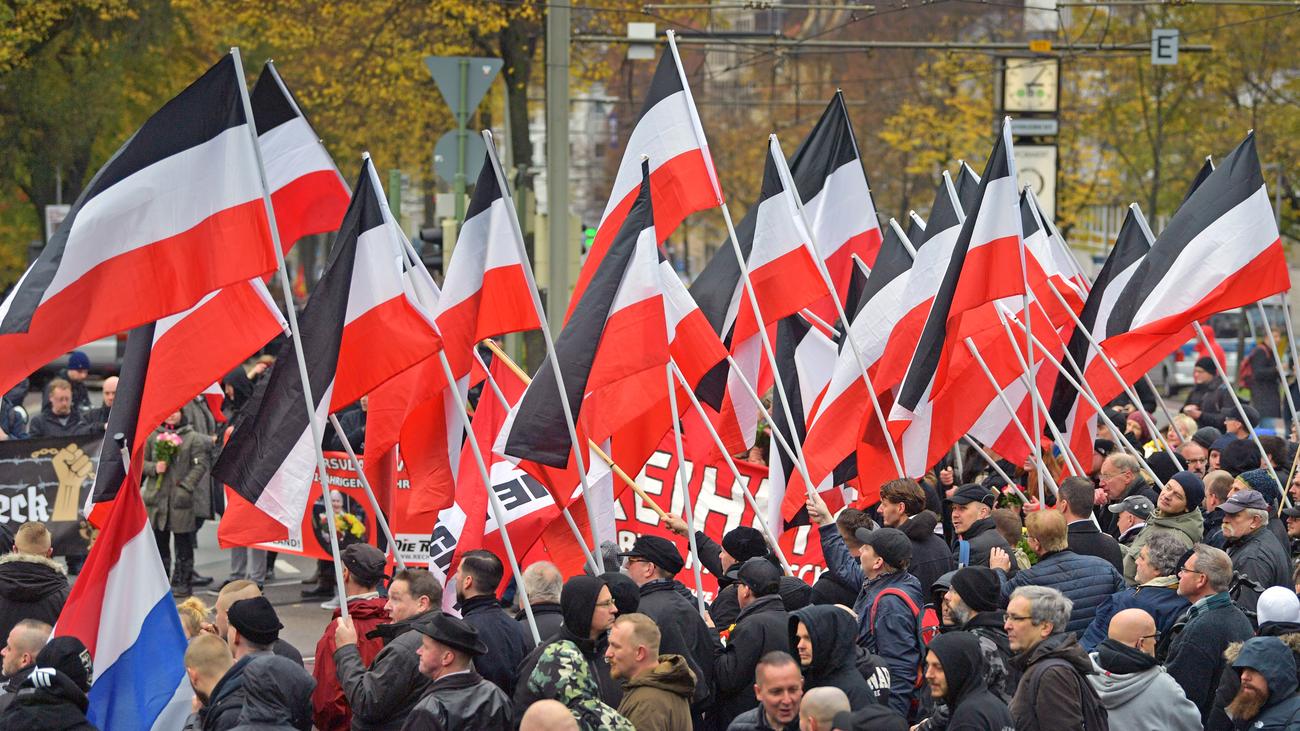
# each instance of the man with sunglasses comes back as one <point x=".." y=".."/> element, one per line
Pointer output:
<point x="1195" y="657"/>
<point x="1135" y="690"/>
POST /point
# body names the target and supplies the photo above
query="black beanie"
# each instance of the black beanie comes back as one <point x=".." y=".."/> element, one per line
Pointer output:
<point x="1206" y="363"/>
<point x="1240" y="456"/>
<point x="255" y="619"/>
<point x="979" y="588"/>
<point x="70" y="657"/>
<point x="578" y="602"/>
<point x="744" y="543"/>
<point x="627" y="595"/>
<point x="1164" y="467"/>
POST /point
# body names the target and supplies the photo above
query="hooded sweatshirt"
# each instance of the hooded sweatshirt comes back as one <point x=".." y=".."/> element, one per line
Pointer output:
<point x="660" y="698"/>
<point x="1137" y="692"/>
<point x="277" y="696"/>
<point x="1270" y="657"/>
<point x="972" y="707"/>
<point x="831" y="631"/>
<point x="1188" y="528"/>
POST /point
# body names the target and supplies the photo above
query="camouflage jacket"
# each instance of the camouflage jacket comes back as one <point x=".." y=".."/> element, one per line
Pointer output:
<point x="562" y="673"/>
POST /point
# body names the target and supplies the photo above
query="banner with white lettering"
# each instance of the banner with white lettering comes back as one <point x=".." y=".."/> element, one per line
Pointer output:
<point x="48" y="480"/>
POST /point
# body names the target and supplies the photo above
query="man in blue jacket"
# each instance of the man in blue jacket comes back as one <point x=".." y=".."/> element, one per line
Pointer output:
<point x="889" y="611"/>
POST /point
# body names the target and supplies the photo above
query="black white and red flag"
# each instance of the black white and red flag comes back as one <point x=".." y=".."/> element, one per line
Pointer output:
<point x="682" y="177"/>
<point x="359" y="328"/>
<point x="176" y="213"/>
<point x="1221" y="249"/>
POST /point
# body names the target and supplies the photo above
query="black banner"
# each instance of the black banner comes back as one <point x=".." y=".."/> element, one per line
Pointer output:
<point x="48" y="480"/>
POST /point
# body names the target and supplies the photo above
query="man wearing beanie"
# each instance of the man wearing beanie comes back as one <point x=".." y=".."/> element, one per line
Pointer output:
<point x="1178" y="513"/>
<point x="723" y="561"/>
<point x="1254" y="550"/>
<point x="1278" y="616"/>
<point x="253" y="628"/>
<point x="973" y="605"/>
<point x="363" y="571"/>
<point x="53" y="697"/>
<point x="1209" y="394"/>
<point x="1196" y="451"/>
<point x="1261" y="481"/>
<point x="763" y="627"/>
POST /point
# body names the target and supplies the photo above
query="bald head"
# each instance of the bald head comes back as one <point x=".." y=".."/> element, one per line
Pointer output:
<point x="548" y="715"/>
<point x="818" y="708"/>
<point x="1135" y="628"/>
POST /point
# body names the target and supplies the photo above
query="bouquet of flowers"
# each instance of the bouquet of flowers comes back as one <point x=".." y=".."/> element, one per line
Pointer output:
<point x="165" y="447"/>
<point x="348" y="524"/>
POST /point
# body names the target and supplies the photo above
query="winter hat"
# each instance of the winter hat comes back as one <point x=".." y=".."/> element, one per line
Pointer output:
<point x="1278" y="604"/>
<point x="744" y="543"/>
<point x="578" y="601"/>
<point x="70" y="657"/>
<point x="760" y="576"/>
<point x="1103" y="447"/>
<point x="78" y="361"/>
<point x="1164" y="467"/>
<point x="1193" y="488"/>
<point x="1240" y="456"/>
<point x="1206" y="435"/>
<point x="1206" y="363"/>
<point x="795" y="593"/>
<point x="1222" y="443"/>
<point x="627" y="595"/>
<point x="978" y="587"/>
<point x="255" y="619"/>
<point x="1262" y="481"/>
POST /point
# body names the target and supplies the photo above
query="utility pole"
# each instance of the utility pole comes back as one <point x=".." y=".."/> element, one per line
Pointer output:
<point x="557" y="161"/>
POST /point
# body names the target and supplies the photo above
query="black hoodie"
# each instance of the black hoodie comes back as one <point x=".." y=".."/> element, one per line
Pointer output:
<point x="31" y="587"/>
<point x="931" y="557"/>
<point x="972" y="706"/>
<point x="831" y="630"/>
<point x="277" y="695"/>
<point x="53" y="695"/>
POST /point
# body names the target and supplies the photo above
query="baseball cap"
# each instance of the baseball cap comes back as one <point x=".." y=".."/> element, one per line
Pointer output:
<point x="1243" y="500"/>
<point x="972" y="493"/>
<point x="1138" y="505"/>
<point x="891" y="544"/>
<point x="760" y="576"/>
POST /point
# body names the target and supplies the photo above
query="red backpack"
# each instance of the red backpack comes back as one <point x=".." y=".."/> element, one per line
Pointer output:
<point x="927" y="625"/>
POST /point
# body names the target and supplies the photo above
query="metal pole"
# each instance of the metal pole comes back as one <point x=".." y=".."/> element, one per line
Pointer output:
<point x="1281" y="365"/>
<point x="735" y="471"/>
<point x="557" y="163"/>
<point x="970" y="345"/>
<point x="1031" y="369"/>
<point x="494" y="503"/>
<point x="568" y="517"/>
<point x="579" y="459"/>
<point x="1245" y="419"/>
<point x="462" y="140"/>
<point x="783" y="170"/>
<point x="687" y="510"/>
<point x="295" y="335"/>
<point x="365" y="483"/>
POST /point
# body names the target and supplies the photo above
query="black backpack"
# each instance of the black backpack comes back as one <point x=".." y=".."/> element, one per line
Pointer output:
<point x="1093" y="712"/>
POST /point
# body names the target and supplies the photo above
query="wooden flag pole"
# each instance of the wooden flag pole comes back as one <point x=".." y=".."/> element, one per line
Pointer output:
<point x="688" y="511"/>
<point x="579" y="459"/>
<point x="592" y="564"/>
<point x="739" y="483"/>
<point x="295" y="335"/>
<point x="365" y="483"/>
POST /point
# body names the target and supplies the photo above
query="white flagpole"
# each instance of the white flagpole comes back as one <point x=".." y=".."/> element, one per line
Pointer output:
<point x="1236" y="401"/>
<point x="738" y="481"/>
<point x="568" y="517"/>
<point x="1081" y="386"/>
<point x="687" y="510"/>
<point x="494" y="503"/>
<point x="578" y="457"/>
<point x="1031" y="369"/>
<point x="1281" y="364"/>
<point x="1033" y="447"/>
<point x="365" y="482"/>
<point x="787" y="180"/>
<point x="295" y="335"/>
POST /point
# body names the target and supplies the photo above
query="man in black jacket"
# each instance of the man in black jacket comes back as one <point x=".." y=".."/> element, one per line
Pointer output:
<point x="59" y="417"/>
<point x="902" y="506"/>
<point x="972" y="510"/>
<point x="763" y="627"/>
<point x="54" y="694"/>
<point x="1083" y="536"/>
<point x="477" y="579"/>
<point x="954" y="668"/>
<point x="458" y="698"/>
<point x="824" y="638"/>
<point x="382" y="695"/>
<point x="652" y="563"/>
<point x="32" y="585"/>
<point x="723" y="561"/>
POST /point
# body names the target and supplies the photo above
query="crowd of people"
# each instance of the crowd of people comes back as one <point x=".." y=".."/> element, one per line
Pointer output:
<point x="1157" y="592"/>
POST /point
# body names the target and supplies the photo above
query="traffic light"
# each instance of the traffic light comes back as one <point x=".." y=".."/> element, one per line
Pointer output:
<point x="431" y="249"/>
<point x="588" y="238"/>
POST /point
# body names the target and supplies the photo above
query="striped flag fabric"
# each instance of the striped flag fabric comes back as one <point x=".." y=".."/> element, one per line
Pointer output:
<point x="359" y="328"/>
<point x="682" y="176"/>
<point x="176" y="213"/>
<point x="807" y="358"/>
<point x="122" y="610"/>
<point x="1221" y="249"/>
